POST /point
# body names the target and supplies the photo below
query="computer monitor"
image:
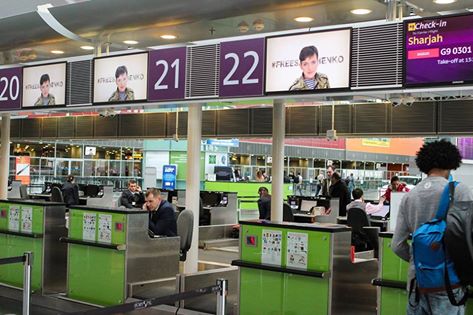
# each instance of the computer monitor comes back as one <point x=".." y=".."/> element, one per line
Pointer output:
<point x="210" y="199"/>
<point x="307" y="205"/>
<point x="383" y="212"/>
<point x="223" y="173"/>
<point x="92" y="190"/>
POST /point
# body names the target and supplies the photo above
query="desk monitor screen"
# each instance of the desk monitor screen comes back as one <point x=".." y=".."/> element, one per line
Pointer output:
<point x="382" y="213"/>
<point x="307" y="205"/>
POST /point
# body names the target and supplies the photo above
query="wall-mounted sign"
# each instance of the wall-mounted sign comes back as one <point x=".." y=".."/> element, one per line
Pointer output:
<point x="169" y="177"/>
<point x="167" y="74"/>
<point x="439" y="50"/>
<point x="308" y="62"/>
<point x="224" y="142"/>
<point x="121" y="78"/>
<point x="22" y="169"/>
<point x="10" y="88"/>
<point x="44" y="85"/>
<point x="241" y="68"/>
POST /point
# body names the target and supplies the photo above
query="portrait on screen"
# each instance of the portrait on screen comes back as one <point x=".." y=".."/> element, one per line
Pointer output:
<point x="308" y="61"/>
<point x="44" y="85"/>
<point x="121" y="78"/>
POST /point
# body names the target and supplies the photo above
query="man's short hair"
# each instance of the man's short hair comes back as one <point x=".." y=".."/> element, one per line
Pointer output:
<point x="153" y="191"/>
<point x="394" y="179"/>
<point x="120" y="70"/>
<point x="357" y="193"/>
<point x="332" y="167"/>
<point x="44" y="78"/>
<point x="131" y="181"/>
<point x="441" y="154"/>
<point x="307" y="52"/>
<point x="336" y="176"/>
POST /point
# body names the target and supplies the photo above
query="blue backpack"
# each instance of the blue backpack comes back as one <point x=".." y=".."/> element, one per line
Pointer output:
<point x="434" y="270"/>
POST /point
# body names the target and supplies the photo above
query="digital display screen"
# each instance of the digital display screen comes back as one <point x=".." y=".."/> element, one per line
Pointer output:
<point x="120" y="79"/>
<point x="308" y="62"/>
<point x="90" y="150"/>
<point x="44" y="85"/>
<point x="439" y="50"/>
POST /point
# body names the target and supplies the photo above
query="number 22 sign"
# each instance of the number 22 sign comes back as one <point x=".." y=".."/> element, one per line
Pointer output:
<point x="166" y="75"/>
<point x="241" y="68"/>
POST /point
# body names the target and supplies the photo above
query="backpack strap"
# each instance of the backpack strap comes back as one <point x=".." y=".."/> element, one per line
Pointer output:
<point x="446" y="200"/>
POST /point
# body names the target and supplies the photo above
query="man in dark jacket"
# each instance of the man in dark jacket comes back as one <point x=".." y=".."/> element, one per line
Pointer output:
<point x="161" y="214"/>
<point x="264" y="204"/>
<point x="339" y="189"/>
<point x="70" y="192"/>
<point x="132" y="197"/>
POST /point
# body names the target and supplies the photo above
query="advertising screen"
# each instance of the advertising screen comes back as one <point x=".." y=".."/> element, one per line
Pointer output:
<point x="308" y="62"/>
<point x="121" y="78"/>
<point x="44" y="85"/>
<point x="439" y="50"/>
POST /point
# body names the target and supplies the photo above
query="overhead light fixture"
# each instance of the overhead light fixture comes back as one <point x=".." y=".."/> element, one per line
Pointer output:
<point x="444" y="1"/>
<point x="130" y="42"/>
<point x="168" y="36"/>
<point x="243" y="27"/>
<point x="258" y="25"/>
<point x="87" y="47"/>
<point x="361" y="11"/>
<point x="469" y="10"/>
<point x="303" y="19"/>
<point x="57" y="52"/>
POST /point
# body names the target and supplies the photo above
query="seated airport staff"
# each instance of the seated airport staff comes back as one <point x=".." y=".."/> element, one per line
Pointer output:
<point x="338" y="189"/>
<point x="360" y="203"/>
<point x="161" y="214"/>
<point x="395" y="186"/>
<point x="70" y="191"/>
<point x="132" y="197"/>
<point x="264" y="204"/>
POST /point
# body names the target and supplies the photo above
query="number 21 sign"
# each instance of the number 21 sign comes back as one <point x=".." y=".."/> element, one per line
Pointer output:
<point x="241" y="68"/>
<point x="167" y="71"/>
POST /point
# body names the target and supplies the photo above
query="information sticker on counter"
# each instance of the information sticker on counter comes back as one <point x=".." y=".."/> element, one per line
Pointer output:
<point x="14" y="219"/>
<point x="27" y="219"/>
<point x="296" y="255"/>
<point x="271" y="247"/>
<point x="89" y="226"/>
<point x="105" y="228"/>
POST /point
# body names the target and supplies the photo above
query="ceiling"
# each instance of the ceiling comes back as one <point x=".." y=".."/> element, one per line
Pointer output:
<point x="26" y="37"/>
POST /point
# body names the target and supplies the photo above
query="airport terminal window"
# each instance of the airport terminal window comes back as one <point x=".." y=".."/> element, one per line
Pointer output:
<point x="114" y="169"/>
<point x="76" y="168"/>
<point x="62" y="167"/>
<point x="68" y="151"/>
<point x="47" y="167"/>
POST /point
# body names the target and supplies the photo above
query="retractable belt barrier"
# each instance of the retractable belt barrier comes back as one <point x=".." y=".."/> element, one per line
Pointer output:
<point x="220" y="288"/>
<point x="27" y="260"/>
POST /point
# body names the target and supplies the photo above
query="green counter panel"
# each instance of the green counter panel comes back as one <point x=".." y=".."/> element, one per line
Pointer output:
<point x="394" y="268"/>
<point x="393" y="301"/>
<point x="244" y="189"/>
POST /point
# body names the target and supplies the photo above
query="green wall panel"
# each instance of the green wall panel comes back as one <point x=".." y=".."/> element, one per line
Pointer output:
<point x="393" y="301"/>
<point x="180" y="159"/>
<point x="244" y="189"/>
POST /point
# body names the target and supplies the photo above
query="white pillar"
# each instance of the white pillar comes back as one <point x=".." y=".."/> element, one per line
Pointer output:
<point x="194" y="136"/>
<point x="4" y="156"/>
<point x="279" y="130"/>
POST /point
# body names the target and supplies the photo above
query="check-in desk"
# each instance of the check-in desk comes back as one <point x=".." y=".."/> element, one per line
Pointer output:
<point x="391" y="282"/>
<point x="109" y="251"/>
<point x="34" y="226"/>
<point x="300" y="268"/>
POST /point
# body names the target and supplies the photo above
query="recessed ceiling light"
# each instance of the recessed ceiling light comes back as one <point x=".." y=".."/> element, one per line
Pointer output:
<point x="361" y="11"/>
<point x="444" y="1"/>
<point x="130" y="42"/>
<point x="470" y="10"/>
<point x="303" y="19"/>
<point x="87" y="47"/>
<point x="57" y="52"/>
<point x="168" y="36"/>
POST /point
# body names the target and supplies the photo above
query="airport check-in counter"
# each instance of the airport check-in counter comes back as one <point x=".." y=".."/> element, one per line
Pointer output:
<point x="300" y="268"/>
<point x="109" y="251"/>
<point x="392" y="283"/>
<point x="34" y="226"/>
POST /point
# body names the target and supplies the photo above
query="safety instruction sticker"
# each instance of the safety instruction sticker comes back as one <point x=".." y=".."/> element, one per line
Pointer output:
<point x="105" y="228"/>
<point x="89" y="224"/>
<point x="14" y="219"/>
<point x="271" y="247"/>
<point x="27" y="219"/>
<point x="296" y="256"/>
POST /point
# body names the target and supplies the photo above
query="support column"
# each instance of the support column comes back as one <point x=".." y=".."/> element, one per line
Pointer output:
<point x="4" y="156"/>
<point x="279" y="130"/>
<point x="194" y="136"/>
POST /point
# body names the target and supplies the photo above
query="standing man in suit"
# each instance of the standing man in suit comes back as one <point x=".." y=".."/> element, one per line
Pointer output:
<point x="339" y="189"/>
<point x="70" y="192"/>
<point x="327" y="182"/>
<point x="132" y="197"/>
<point x="162" y="220"/>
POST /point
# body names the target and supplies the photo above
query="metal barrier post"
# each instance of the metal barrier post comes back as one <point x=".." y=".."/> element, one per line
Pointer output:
<point x="221" y="296"/>
<point x="27" y="282"/>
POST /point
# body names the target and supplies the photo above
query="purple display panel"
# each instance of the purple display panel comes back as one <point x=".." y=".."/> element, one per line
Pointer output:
<point x="167" y="74"/>
<point x="241" y="68"/>
<point x="10" y="89"/>
<point x="465" y="145"/>
<point x="439" y="50"/>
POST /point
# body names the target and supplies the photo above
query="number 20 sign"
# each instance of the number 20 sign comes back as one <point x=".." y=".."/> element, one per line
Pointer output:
<point x="166" y="75"/>
<point x="10" y="89"/>
<point x="241" y="68"/>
